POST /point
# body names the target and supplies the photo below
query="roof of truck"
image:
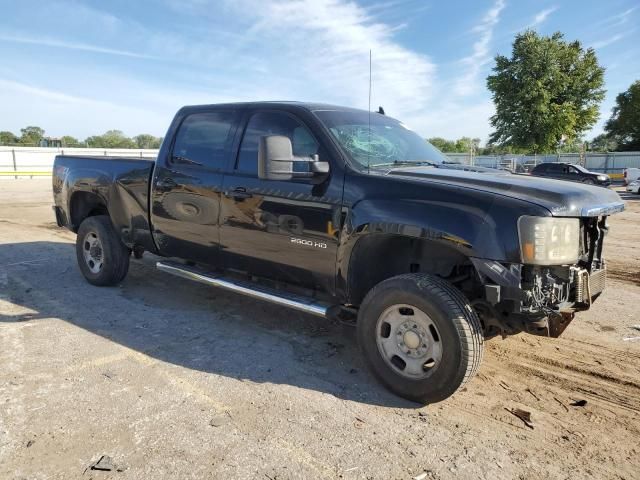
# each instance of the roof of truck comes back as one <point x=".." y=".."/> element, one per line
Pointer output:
<point x="277" y="103"/>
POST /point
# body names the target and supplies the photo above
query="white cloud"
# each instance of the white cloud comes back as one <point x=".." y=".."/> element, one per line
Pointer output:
<point x="473" y="64"/>
<point x="326" y="43"/>
<point x="608" y="41"/>
<point x="49" y="42"/>
<point x="542" y="16"/>
<point x="620" y="18"/>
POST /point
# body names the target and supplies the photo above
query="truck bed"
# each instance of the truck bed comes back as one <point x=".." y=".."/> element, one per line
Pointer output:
<point x="120" y="182"/>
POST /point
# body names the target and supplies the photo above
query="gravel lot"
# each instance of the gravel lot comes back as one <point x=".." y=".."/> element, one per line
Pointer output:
<point x="172" y="379"/>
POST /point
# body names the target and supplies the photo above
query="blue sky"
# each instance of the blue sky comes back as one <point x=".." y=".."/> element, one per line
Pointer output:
<point x="81" y="68"/>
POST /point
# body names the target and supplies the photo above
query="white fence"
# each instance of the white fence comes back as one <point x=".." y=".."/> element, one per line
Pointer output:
<point x="612" y="163"/>
<point x="33" y="161"/>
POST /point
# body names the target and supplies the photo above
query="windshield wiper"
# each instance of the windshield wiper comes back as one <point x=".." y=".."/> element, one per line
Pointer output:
<point x="396" y="163"/>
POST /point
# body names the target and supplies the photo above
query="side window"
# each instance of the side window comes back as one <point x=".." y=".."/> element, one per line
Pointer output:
<point x="555" y="168"/>
<point x="273" y="123"/>
<point x="573" y="170"/>
<point x="201" y="139"/>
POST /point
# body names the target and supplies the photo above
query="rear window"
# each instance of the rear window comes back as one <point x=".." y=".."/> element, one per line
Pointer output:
<point x="202" y="139"/>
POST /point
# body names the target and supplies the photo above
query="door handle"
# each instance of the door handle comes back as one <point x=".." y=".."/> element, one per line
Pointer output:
<point x="239" y="193"/>
<point x="166" y="183"/>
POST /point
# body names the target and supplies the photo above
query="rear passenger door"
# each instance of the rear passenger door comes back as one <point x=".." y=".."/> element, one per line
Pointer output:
<point x="281" y="229"/>
<point x="186" y="187"/>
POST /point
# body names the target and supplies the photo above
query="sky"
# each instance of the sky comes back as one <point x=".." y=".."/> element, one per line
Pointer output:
<point x="83" y="67"/>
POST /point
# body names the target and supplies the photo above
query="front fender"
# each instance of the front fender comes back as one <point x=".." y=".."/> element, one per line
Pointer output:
<point x="484" y="227"/>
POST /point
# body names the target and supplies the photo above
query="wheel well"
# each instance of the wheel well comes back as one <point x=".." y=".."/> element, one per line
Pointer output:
<point x="83" y="205"/>
<point x="378" y="257"/>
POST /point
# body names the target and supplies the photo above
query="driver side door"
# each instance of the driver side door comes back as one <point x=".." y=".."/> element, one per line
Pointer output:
<point x="284" y="230"/>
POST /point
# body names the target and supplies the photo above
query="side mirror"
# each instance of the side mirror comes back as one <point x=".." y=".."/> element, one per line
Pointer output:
<point x="275" y="160"/>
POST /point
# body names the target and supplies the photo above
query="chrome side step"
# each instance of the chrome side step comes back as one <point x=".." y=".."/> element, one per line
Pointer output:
<point x="295" y="302"/>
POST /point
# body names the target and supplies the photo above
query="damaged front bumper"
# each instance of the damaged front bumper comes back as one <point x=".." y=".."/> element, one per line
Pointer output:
<point x="542" y="300"/>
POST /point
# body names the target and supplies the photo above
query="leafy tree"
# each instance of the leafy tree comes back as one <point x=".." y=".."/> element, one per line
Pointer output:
<point x="68" y="141"/>
<point x="466" y="144"/>
<point x="8" y="138"/>
<point x="549" y="90"/>
<point x="624" y="124"/>
<point x="31" y="135"/>
<point x="462" y="145"/>
<point x="110" y="139"/>
<point x="603" y="143"/>
<point x="442" y="144"/>
<point x="145" y="140"/>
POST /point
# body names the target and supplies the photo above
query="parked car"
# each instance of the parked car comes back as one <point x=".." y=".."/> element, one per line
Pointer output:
<point x="631" y="174"/>
<point x="346" y="214"/>
<point x="634" y="187"/>
<point x="571" y="172"/>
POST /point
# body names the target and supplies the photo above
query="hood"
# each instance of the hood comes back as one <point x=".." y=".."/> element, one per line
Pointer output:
<point x="560" y="197"/>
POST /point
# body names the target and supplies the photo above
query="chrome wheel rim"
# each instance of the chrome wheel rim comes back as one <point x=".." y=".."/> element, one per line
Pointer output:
<point x="409" y="341"/>
<point x="92" y="252"/>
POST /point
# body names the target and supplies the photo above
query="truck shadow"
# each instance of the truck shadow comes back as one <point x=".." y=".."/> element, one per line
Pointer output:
<point x="188" y="324"/>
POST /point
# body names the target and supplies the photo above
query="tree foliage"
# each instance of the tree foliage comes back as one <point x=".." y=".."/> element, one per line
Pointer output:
<point x="462" y="145"/>
<point x="547" y="92"/>
<point x="603" y="143"/>
<point x="624" y="125"/>
<point x="145" y="140"/>
<point x="69" y="141"/>
<point x="31" y="135"/>
<point x="111" y="139"/>
<point x="8" y="138"/>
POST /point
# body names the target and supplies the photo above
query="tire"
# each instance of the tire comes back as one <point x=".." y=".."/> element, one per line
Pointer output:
<point x="106" y="262"/>
<point x="589" y="181"/>
<point x="440" y="317"/>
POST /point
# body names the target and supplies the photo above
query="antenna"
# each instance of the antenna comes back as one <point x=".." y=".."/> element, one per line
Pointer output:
<point x="369" y="145"/>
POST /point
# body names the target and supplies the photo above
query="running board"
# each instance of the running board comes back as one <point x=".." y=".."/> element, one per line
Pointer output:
<point x="295" y="302"/>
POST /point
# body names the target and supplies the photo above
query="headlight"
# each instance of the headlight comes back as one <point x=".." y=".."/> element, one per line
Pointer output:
<point x="602" y="178"/>
<point x="549" y="240"/>
<point x="634" y="184"/>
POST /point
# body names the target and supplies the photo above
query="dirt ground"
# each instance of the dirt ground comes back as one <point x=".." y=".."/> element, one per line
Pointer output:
<point x="173" y="379"/>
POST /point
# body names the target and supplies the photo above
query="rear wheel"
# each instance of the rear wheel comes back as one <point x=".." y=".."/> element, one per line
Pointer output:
<point x="102" y="257"/>
<point x="420" y="337"/>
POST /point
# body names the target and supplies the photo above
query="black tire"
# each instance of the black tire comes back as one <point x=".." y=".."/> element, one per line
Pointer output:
<point x="457" y="325"/>
<point x="113" y="253"/>
<point x="589" y="181"/>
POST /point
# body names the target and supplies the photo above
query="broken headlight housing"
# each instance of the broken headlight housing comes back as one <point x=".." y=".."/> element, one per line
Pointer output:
<point x="549" y="240"/>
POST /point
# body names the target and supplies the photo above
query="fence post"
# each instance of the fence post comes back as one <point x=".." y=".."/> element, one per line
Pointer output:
<point x="15" y="166"/>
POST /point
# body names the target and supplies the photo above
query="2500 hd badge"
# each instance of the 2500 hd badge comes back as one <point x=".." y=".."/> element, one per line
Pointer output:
<point x="309" y="243"/>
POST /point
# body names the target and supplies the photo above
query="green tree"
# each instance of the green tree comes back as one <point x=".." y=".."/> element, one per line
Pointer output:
<point x="442" y="144"/>
<point x="145" y="140"/>
<point x="111" y="139"/>
<point x="8" y="138"/>
<point x="603" y="143"/>
<point x="68" y="141"/>
<point x="31" y="135"/>
<point x="624" y="124"/>
<point x="466" y="144"/>
<point x="549" y="90"/>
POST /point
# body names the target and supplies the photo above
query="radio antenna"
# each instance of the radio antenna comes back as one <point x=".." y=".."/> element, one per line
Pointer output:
<point x="369" y="144"/>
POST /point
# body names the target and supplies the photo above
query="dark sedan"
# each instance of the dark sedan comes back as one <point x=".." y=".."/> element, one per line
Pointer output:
<point x="572" y="173"/>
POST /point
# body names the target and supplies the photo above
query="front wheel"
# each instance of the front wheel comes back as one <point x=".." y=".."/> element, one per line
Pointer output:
<point x="589" y="181"/>
<point x="102" y="257"/>
<point x="420" y="337"/>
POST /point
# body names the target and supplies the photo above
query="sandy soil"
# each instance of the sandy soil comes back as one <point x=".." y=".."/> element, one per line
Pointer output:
<point x="175" y="380"/>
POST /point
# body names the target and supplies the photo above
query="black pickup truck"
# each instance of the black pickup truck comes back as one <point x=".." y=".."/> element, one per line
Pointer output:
<point x="347" y="214"/>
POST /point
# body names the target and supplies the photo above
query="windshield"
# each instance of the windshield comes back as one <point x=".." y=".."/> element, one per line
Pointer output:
<point x="388" y="142"/>
<point x="580" y="168"/>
